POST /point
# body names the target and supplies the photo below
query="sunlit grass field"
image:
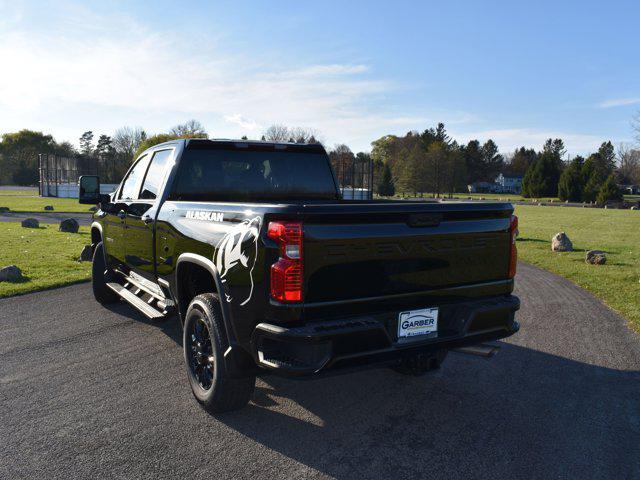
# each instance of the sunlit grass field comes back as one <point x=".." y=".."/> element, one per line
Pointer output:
<point x="28" y="201"/>
<point x="47" y="257"/>
<point x="617" y="232"/>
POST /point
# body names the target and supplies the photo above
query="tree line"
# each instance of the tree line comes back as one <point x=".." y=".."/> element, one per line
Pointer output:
<point x="431" y="162"/>
<point x="428" y="162"/>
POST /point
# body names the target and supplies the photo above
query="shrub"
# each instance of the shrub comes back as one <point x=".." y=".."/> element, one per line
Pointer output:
<point x="609" y="192"/>
<point x="385" y="186"/>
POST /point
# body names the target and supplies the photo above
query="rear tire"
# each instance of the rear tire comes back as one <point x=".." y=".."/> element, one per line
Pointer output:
<point x="204" y="343"/>
<point x="99" y="278"/>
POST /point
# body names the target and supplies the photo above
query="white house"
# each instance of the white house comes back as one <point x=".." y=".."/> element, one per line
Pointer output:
<point x="508" y="184"/>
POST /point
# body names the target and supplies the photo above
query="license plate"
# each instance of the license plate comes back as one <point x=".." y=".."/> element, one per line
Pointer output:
<point x="417" y="322"/>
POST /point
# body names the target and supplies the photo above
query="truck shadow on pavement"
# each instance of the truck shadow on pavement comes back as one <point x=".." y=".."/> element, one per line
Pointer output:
<point x="523" y="414"/>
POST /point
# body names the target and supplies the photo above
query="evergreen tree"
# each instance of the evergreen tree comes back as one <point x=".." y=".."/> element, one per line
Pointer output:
<point x="541" y="179"/>
<point x="473" y="161"/>
<point x="596" y="170"/>
<point x="520" y="162"/>
<point x="609" y="192"/>
<point x="86" y="143"/>
<point x="571" y="185"/>
<point x="492" y="161"/>
<point x="385" y="186"/>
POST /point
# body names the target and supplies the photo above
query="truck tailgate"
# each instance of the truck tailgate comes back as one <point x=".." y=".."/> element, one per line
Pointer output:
<point x="354" y="251"/>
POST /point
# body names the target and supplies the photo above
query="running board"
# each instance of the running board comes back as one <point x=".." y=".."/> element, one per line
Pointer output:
<point x="135" y="301"/>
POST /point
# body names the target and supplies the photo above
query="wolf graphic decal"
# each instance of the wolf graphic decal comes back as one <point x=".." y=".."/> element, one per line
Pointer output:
<point x="236" y="253"/>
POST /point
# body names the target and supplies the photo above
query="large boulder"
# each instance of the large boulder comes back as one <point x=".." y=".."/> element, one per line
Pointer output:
<point x="10" y="274"/>
<point x="30" y="223"/>
<point x="48" y="207"/>
<point x="560" y="243"/>
<point x="69" y="225"/>
<point x="596" y="257"/>
<point x="86" y="255"/>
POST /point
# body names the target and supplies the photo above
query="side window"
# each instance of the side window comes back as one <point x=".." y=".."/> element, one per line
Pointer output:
<point x="129" y="190"/>
<point x="155" y="173"/>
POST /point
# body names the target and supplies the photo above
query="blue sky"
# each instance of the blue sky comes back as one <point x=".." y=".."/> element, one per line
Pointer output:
<point x="517" y="72"/>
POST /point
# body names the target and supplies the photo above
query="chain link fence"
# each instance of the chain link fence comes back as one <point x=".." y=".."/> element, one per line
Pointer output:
<point x="58" y="176"/>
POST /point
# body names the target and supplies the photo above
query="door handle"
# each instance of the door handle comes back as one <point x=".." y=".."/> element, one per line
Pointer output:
<point x="122" y="214"/>
<point x="147" y="219"/>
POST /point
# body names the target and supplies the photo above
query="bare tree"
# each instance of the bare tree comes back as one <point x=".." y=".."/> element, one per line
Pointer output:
<point x="282" y="133"/>
<point x="342" y="161"/>
<point x="277" y="133"/>
<point x="126" y="140"/>
<point x="628" y="164"/>
<point x="190" y="128"/>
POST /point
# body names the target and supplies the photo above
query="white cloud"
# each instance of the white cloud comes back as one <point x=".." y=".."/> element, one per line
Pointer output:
<point x="116" y="65"/>
<point x="619" y="102"/>
<point x="243" y="122"/>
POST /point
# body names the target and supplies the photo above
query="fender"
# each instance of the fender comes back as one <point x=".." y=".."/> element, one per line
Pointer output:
<point x="211" y="268"/>
<point x="237" y="360"/>
<point x="98" y="226"/>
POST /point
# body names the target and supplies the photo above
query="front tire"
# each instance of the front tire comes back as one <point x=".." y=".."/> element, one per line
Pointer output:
<point x="204" y="343"/>
<point x="99" y="278"/>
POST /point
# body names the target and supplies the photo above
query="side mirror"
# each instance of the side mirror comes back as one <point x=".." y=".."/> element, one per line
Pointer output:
<point x="89" y="192"/>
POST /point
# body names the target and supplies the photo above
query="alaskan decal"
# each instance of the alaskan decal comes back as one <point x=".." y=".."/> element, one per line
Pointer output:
<point x="204" y="215"/>
<point x="237" y="252"/>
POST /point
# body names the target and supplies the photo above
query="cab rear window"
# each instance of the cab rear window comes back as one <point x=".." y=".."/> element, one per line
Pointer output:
<point x="236" y="175"/>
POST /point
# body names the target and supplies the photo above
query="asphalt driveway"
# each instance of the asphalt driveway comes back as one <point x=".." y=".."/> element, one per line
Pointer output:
<point x="90" y="392"/>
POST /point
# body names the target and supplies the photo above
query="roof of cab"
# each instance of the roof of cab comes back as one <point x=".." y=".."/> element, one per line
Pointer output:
<point x="231" y="144"/>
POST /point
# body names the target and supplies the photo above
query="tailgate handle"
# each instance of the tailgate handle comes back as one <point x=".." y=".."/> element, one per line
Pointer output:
<point x="424" y="220"/>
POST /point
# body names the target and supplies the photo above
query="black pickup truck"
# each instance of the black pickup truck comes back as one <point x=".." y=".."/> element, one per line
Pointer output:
<point x="270" y="270"/>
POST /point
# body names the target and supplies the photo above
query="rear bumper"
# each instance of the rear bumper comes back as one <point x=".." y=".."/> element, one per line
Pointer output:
<point x="367" y="340"/>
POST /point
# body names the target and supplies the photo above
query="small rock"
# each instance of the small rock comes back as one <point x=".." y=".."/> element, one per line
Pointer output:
<point x="69" y="225"/>
<point x="30" y="223"/>
<point x="48" y="207"/>
<point x="632" y="208"/>
<point x="4" y="209"/>
<point x="560" y="243"/>
<point x="10" y="274"/>
<point x="596" y="257"/>
<point x="87" y="254"/>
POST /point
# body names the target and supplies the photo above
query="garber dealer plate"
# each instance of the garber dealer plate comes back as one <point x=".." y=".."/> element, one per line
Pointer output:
<point x="417" y="322"/>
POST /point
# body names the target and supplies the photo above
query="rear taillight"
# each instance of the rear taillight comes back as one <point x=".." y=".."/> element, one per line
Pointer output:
<point x="513" y="254"/>
<point x="286" y="273"/>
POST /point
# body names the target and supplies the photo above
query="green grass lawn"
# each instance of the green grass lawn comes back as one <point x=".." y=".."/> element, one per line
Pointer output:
<point x="18" y="191"/>
<point x="28" y="201"/>
<point x="617" y="232"/>
<point x="47" y="257"/>
<point x="505" y="197"/>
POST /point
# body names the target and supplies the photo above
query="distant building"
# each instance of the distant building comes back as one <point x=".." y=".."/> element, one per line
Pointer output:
<point x="509" y="184"/>
<point x="481" y="187"/>
<point x="630" y="189"/>
<point x="502" y="184"/>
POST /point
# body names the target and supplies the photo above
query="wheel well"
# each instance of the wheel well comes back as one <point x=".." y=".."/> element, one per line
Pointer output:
<point x="95" y="237"/>
<point x="192" y="280"/>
